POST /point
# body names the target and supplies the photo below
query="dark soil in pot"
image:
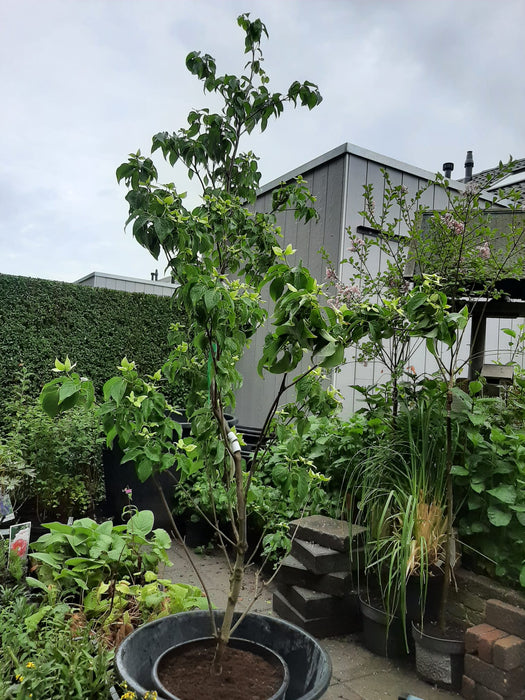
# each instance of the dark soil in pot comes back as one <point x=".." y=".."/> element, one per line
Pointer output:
<point x="186" y="671"/>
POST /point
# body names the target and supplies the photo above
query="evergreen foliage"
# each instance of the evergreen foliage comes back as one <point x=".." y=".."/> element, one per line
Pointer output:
<point x="41" y="320"/>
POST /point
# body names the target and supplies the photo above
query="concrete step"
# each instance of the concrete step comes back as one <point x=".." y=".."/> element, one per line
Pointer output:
<point x="325" y="531"/>
<point x="319" y="559"/>
<point x="319" y="627"/>
<point x="293" y="573"/>
<point x="312" y="604"/>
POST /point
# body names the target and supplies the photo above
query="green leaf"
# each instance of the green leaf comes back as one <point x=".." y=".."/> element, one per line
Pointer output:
<point x="162" y="538"/>
<point x="46" y="558"/>
<point x="498" y="517"/>
<point x="144" y="469"/>
<point x="141" y="523"/>
<point x="68" y="388"/>
<point x="336" y="359"/>
<point x="32" y="621"/>
<point x="49" y="401"/>
<point x="475" y="387"/>
<point x="457" y="470"/>
<point x="504" y="493"/>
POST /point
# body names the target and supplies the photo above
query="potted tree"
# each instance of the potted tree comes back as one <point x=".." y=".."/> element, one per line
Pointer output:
<point x="222" y="254"/>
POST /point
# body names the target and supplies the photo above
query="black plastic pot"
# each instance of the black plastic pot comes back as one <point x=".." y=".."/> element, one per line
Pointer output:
<point x="145" y="496"/>
<point x="426" y="601"/>
<point x="308" y="664"/>
<point x="439" y="661"/>
<point x="383" y="634"/>
<point x="270" y="655"/>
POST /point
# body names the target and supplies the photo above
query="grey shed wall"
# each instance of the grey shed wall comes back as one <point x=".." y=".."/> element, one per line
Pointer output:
<point x="337" y="180"/>
<point x="326" y="181"/>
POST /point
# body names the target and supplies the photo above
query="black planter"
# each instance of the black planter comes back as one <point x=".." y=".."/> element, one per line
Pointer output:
<point x="145" y="496"/>
<point x="308" y="664"/>
<point x="423" y="602"/>
<point x="383" y="634"/>
<point x="265" y="652"/>
<point x="438" y="660"/>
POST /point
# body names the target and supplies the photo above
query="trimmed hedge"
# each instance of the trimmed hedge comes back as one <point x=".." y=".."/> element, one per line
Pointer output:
<point x="41" y="320"/>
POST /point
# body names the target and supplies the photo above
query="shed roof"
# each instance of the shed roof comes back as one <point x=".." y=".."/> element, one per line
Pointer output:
<point x="359" y="151"/>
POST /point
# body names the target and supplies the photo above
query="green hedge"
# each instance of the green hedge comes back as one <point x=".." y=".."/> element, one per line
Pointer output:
<point x="41" y="320"/>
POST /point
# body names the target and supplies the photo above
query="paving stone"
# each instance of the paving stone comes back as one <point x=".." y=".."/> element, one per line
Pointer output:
<point x="474" y="634"/>
<point x="486" y="644"/>
<point x="509" y="652"/>
<point x="318" y="559"/>
<point x="468" y="688"/>
<point x="325" y="531"/>
<point x="483" y="693"/>
<point x="293" y="573"/>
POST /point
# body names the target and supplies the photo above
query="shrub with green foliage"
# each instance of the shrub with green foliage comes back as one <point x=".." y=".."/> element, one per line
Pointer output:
<point x="41" y="320"/>
<point x="45" y="655"/>
<point x="489" y="475"/>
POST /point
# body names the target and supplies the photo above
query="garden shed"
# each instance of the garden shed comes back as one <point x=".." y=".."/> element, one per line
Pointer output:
<point x="337" y="180"/>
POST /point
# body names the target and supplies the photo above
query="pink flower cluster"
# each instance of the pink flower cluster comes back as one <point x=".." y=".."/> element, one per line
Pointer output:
<point x="457" y="227"/>
<point x="484" y="251"/>
<point x="346" y="294"/>
<point x="355" y="245"/>
<point x="471" y="189"/>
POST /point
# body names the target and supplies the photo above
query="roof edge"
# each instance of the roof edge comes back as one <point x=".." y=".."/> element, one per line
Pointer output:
<point x="352" y="149"/>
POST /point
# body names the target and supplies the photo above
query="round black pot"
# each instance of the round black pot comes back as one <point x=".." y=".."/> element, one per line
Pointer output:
<point x="308" y="664"/>
<point x="438" y="660"/>
<point x="424" y="601"/>
<point x="383" y="634"/>
<point x="270" y="655"/>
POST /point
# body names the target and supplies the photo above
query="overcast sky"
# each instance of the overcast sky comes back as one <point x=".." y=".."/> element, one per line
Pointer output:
<point x="85" y="82"/>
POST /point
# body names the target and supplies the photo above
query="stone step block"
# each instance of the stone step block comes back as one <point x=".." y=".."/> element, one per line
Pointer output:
<point x="293" y="573"/>
<point x="327" y="532"/>
<point x="313" y="604"/>
<point x="509" y="652"/>
<point x="318" y="627"/>
<point x="319" y="559"/>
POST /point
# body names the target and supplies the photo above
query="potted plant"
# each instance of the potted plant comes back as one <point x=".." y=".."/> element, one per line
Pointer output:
<point x="398" y="490"/>
<point x="435" y="286"/>
<point x="222" y="254"/>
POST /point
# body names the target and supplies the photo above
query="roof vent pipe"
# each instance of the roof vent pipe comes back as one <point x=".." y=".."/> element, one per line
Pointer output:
<point x="448" y="168"/>
<point x="469" y="164"/>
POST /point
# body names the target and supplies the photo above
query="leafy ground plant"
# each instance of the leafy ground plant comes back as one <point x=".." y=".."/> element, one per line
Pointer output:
<point x="47" y="656"/>
<point x="79" y="557"/>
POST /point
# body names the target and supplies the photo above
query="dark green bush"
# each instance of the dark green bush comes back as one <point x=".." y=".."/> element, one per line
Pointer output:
<point x="41" y="320"/>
